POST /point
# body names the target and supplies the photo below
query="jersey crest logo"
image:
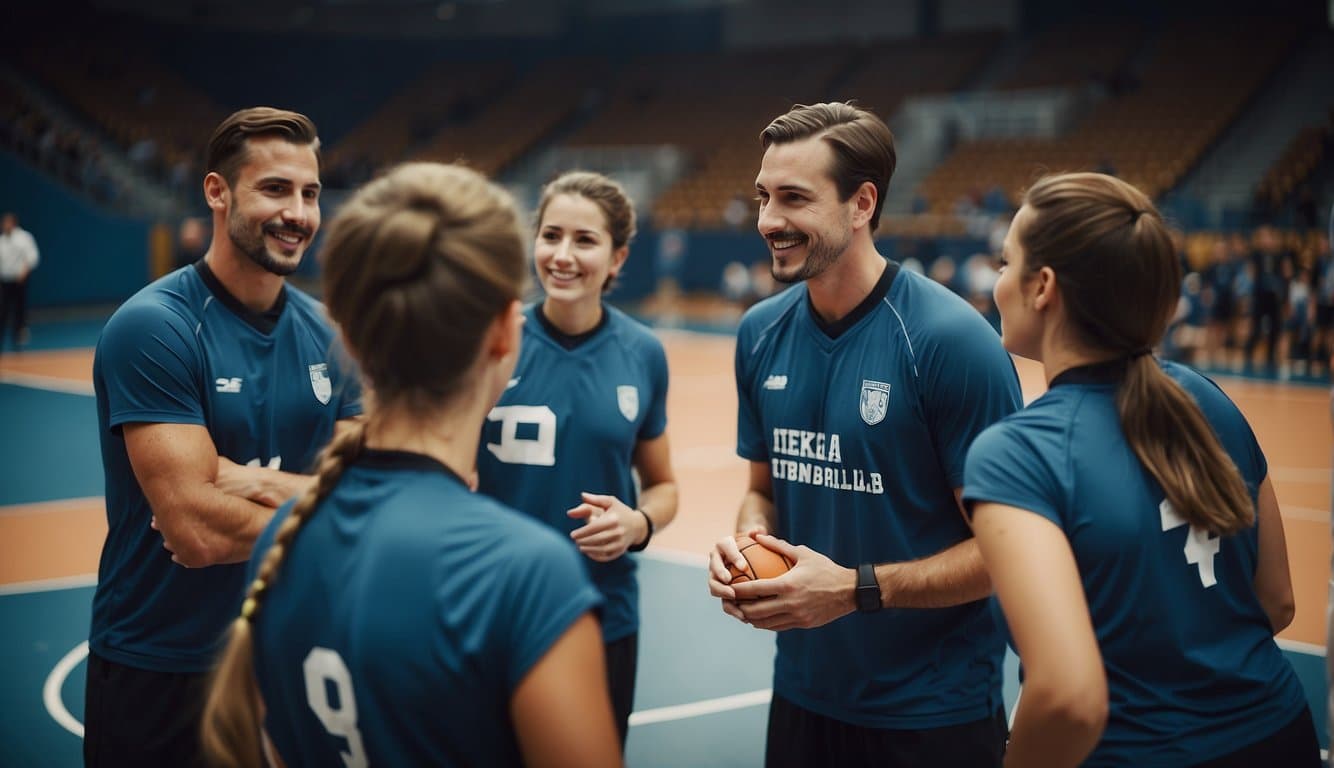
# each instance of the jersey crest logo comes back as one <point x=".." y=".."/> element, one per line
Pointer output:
<point x="875" y="401"/>
<point x="319" y="381"/>
<point x="627" y="397"/>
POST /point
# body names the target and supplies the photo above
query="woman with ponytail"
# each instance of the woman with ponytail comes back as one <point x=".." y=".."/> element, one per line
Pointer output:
<point x="1126" y="516"/>
<point x="393" y="616"/>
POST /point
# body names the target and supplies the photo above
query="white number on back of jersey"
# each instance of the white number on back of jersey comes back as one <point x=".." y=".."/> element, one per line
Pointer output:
<point x="538" y="451"/>
<point x="1201" y="547"/>
<point x="323" y="667"/>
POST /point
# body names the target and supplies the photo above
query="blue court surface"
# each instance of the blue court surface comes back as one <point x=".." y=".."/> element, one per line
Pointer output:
<point x="703" y="677"/>
<point x="701" y="700"/>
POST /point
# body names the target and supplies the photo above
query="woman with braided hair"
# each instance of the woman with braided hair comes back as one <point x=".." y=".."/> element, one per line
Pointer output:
<point x="1126" y="516"/>
<point x="394" y="617"/>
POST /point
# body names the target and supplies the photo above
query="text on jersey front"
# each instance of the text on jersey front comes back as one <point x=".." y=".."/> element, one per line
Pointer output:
<point x="805" y="444"/>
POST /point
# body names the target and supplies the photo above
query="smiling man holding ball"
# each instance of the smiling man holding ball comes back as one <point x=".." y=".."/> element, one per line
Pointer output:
<point x="860" y="391"/>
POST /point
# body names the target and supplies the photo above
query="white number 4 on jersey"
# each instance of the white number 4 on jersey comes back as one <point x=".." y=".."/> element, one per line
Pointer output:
<point x="1200" y="545"/>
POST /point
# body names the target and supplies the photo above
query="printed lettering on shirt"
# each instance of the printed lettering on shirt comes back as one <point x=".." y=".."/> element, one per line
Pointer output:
<point x="775" y="382"/>
<point x="819" y="447"/>
<point x="226" y="385"/>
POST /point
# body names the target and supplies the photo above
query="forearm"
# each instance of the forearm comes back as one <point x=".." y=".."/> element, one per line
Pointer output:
<point x="951" y="577"/>
<point x="757" y="511"/>
<point x="211" y="527"/>
<point x="659" y="503"/>
<point x="1048" y="732"/>
<point x="269" y="487"/>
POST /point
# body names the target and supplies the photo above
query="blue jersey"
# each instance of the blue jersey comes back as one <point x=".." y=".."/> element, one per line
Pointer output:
<point x="184" y="351"/>
<point x="404" y="616"/>
<point x="866" y="434"/>
<point x="569" y="422"/>
<point x="1192" y="667"/>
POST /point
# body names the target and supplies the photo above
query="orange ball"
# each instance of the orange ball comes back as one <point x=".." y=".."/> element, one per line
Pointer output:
<point x="761" y="562"/>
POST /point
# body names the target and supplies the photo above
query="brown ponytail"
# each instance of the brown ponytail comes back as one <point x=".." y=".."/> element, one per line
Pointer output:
<point x="1120" y="279"/>
<point x="233" y="713"/>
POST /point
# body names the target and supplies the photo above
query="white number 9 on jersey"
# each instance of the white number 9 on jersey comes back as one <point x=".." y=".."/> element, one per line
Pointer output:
<point x="324" y="667"/>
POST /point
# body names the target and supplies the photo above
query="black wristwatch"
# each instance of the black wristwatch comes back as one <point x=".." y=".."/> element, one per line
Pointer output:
<point x="868" y="589"/>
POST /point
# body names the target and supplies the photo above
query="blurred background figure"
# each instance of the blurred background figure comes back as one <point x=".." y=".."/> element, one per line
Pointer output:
<point x="191" y="242"/>
<point x="18" y="258"/>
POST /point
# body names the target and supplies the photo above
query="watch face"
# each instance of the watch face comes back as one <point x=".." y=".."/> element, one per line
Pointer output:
<point x="868" y="589"/>
<point x="868" y="598"/>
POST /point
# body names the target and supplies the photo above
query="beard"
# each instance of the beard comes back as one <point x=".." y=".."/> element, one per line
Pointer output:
<point x="252" y="244"/>
<point x="820" y="256"/>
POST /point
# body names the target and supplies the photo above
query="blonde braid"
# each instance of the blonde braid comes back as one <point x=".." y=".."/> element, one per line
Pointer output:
<point x="233" y="714"/>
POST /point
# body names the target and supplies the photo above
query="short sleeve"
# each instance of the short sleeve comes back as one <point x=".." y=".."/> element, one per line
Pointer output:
<point x="150" y="366"/>
<point x="655" y="420"/>
<point x="750" y="442"/>
<point x="969" y="383"/>
<point x="349" y="401"/>
<point x="546" y="590"/>
<point x="1002" y="468"/>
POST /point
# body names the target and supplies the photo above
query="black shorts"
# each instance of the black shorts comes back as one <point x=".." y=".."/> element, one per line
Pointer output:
<point x="799" y="738"/>
<point x="622" y="658"/>
<point x="1292" y="746"/>
<point x="136" y="717"/>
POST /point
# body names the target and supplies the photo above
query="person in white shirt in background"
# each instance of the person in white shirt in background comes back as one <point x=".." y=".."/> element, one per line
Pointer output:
<point x="18" y="258"/>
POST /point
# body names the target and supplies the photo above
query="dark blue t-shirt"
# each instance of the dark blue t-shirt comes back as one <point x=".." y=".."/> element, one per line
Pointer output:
<point x="865" y="435"/>
<point x="268" y="389"/>
<point x="1192" y="667"/>
<point x="405" y="614"/>
<point x="569" y="422"/>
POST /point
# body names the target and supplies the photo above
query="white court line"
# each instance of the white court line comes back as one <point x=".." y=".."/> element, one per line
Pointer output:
<point x="699" y="708"/>
<point x="49" y="585"/>
<point x="49" y="383"/>
<point x="55" y="681"/>
<point x="676" y="557"/>
<point x="1308" y="514"/>
<point x="1297" y="646"/>
<point x="45" y="507"/>
<point x="1300" y="474"/>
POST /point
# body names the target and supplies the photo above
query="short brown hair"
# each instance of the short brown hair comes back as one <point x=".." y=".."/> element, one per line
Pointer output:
<point x="863" y="145"/>
<point x="227" y="147"/>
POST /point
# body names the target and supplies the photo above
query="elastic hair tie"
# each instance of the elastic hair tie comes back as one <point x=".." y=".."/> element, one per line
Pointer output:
<point x="1138" y="353"/>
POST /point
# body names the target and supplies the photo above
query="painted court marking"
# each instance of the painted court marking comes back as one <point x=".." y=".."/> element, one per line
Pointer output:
<point x="700" y="708"/>
<point x="51" y="383"/>
<point x="55" y="681"/>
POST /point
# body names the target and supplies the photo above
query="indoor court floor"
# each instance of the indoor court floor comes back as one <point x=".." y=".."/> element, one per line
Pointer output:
<point x="703" y="677"/>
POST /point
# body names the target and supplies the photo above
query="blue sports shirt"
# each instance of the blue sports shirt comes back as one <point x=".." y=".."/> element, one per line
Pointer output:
<point x="569" y="422"/>
<point x="1192" y="668"/>
<point x="267" y="387"/>
<point x="404" y="616"/>
<point x="865" y="433"/>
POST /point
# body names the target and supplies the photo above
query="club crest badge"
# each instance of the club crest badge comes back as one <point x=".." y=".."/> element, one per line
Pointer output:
<point x="627" y="397"/>
<point x="875" y="401"/>
<point x="320" y="382"/>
